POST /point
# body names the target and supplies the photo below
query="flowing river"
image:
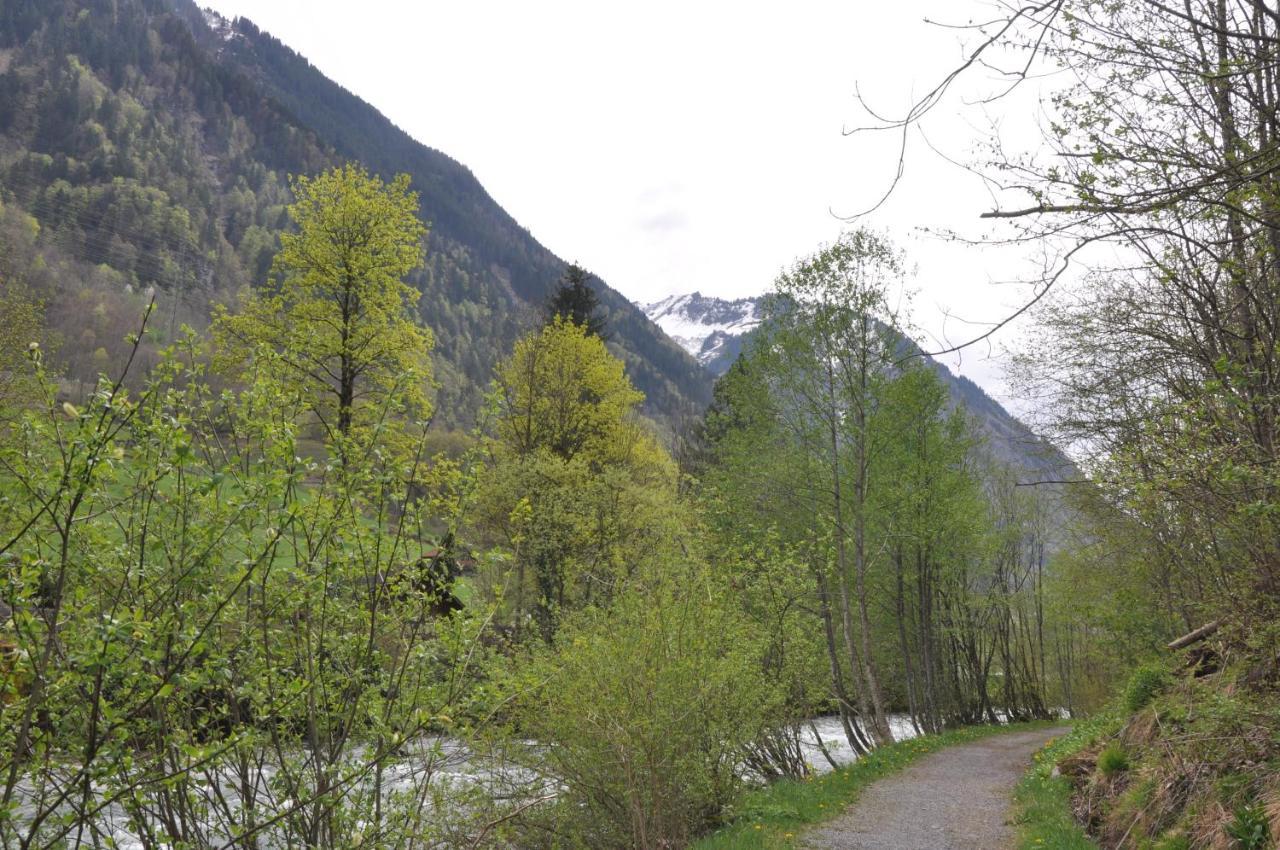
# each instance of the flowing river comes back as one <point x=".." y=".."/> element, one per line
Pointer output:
<point x="436" y="771"/>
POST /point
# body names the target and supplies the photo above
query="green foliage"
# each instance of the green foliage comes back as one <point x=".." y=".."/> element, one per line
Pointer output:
<point x="338" y="313"/>
<point x="646" y="710"/>
<point x="1098" y="591"/>
<point x="811" y="397"/>
<point x="833" y="458"/>
<point x="1183" y="431"/>
<point x="225" y="614"/>
<point x="1144" y="684"/>
<point x="22" y="344"/>
<point x="1250" y="829"/>
<point x="1192" y="726"/>
<point x="1113" y="760"/>
<point x="574" y="486"/>
<point x="1172" y="842"/>
<point x="1045" y="819"/>
<point x="561" y="391"/>
<point x="649" y="688"/>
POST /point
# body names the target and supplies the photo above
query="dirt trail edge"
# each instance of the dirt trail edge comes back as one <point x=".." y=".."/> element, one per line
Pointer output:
<point x="956" y="799"/>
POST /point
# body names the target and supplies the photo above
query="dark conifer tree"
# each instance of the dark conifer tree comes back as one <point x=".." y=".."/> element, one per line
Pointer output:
<point x="575" y="300"/>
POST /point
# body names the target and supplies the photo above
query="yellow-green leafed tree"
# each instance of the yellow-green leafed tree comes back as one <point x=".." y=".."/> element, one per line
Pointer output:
<point x="562" y="391"/>
<point x="337" y="309"/>
<point x="576" y="489"/>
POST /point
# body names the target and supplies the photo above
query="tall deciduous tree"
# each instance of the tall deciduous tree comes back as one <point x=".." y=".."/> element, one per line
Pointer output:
<point x="337" y="309"/>
<point x="561" y="390"/>
<point x="575" y="482"/>
<point x="822" y="359"/>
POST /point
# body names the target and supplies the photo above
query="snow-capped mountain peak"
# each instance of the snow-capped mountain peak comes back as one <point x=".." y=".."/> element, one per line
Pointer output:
<point x="711" y="329"/>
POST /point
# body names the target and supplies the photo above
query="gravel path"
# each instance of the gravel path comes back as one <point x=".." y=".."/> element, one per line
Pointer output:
<point x="956" y="799"/>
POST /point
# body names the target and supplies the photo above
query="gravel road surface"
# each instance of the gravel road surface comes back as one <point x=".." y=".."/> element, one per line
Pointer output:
<point x="956" y="799"/>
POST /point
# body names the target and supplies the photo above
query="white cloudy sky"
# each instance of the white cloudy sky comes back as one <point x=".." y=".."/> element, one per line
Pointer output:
<point x="674" y="146"/>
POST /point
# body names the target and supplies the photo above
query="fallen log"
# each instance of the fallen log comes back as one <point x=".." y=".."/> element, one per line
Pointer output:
<point x="1196" y="636"/>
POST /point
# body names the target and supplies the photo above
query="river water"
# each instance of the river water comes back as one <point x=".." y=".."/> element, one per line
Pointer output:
<point x="831" y="733"/>
<point x="431" y="769"/>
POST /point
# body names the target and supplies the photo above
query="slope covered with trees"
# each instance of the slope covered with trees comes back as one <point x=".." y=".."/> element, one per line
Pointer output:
<point x="144" y="145"/>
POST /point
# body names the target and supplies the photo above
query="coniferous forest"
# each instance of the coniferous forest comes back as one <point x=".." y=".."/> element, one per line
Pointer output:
<point x="337" y="512"/>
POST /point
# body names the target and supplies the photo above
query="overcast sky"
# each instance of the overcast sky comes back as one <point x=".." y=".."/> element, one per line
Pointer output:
<point x="680" y="146"/>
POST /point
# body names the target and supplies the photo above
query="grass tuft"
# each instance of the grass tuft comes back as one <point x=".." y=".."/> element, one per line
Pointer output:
<point x="1113" y="760"/>
<point x="1145" y="683"/>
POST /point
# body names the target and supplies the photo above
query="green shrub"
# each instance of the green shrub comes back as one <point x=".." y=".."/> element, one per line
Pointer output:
<point x="644" y="713"/>
<point x="1144" y="684"/>
<point x="1113" y="760"/>
<point x="1250" y="829"/>
<point x="1173" y="842"/>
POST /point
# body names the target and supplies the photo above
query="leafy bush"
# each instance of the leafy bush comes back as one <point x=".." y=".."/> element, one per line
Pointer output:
<point x="1145" y="683"/>
<point x="644" y="712"/>
<point x="1113" y="760"/>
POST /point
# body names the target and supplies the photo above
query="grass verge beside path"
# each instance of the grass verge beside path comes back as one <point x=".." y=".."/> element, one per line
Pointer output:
<point x="1042" y="801"/>
<point x="773" y="816"/>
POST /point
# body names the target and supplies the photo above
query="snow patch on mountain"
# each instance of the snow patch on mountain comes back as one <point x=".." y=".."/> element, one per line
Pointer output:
<point x="220" y="25"/>
<point x="711" y="329"/>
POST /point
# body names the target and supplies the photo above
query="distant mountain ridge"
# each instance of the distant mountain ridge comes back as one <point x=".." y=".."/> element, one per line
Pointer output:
<point x="710" y="329"/>
<point x="150" y="143"/>
<point x="715" y="330"/>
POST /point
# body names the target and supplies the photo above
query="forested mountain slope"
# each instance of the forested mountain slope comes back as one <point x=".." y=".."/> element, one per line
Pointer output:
<point x="146" y="146"/>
